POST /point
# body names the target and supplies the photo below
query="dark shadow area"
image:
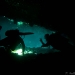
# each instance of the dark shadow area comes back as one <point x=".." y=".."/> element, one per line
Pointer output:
<point x="54" y="61"/>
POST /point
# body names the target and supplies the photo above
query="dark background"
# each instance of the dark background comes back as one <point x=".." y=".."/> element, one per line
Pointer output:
<point x="53" y="15"/>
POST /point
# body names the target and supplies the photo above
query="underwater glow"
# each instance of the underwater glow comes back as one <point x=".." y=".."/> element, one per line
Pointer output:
<point x="28" y="52"/>
<point x="32" y="42"/>
<point x="11" y="20"/>
<point x="19" y="52"/>
<point x="19" y="23"/>
<point x="29" y="40"/>
<point x="3" y="16"/>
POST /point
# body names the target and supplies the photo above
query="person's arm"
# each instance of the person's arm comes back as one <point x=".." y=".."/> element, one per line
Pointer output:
<point x="43" y="44"/>
<point x="42" y="41"/>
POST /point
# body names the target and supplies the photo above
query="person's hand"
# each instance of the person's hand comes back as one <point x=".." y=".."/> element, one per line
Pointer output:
<point x="40" y="40"/>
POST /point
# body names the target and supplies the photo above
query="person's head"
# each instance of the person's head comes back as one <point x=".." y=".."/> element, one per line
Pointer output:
<point x="46" y="36"/>
<point x="12" y="32"/>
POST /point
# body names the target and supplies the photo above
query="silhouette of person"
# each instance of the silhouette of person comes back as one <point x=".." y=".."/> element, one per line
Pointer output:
<point x="57" y="41"/>
<point x="12" y="40"/>
<point x="47" y="37"/>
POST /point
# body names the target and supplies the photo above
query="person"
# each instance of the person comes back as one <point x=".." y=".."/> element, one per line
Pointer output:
<point x="57" y="41"/>
<point x="47" y="39"/>
<point x="12" y="40"/>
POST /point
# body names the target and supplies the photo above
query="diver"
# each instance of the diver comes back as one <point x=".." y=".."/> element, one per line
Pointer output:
<point x="12" y="40"/>
<point x="57" y="41"/>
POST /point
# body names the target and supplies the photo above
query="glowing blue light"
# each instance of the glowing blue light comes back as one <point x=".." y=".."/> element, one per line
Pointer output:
<point x="20" y="23"/>
<point x="19" y="52"/>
